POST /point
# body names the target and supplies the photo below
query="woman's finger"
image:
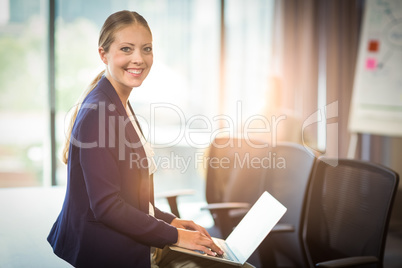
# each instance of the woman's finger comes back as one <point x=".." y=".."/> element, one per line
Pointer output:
<point x="197" y="241"/>
<point x="204" y="231"/>
<point x="215" y="248"/>
<point x="207" y="250"/>
<point x="199" y="228"/>
<point x="212" y="247"/>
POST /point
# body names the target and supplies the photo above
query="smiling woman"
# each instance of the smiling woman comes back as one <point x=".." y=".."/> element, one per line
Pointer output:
<point x="184" y="72"/>
<point x="121" y="46"/>
<point x="109" y="218"/>
<point x="128" y="60"/>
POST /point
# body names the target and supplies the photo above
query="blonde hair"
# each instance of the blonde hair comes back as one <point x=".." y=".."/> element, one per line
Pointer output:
<point x="113" y="24"/>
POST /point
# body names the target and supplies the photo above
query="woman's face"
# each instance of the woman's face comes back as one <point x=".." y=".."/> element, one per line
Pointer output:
<point x="129" y="58"/>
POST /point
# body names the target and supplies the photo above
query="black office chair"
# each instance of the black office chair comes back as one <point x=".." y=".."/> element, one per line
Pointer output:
<point x="347" y="213"/>
<point x="234" y="180"/>
<point x="287" y="180"/>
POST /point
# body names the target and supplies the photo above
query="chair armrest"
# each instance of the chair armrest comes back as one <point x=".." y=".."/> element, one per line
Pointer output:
<point x="222" y="217"/>
<point x="348" y="262"/>
<point x="171" y="197"/>
<point x="226" y="206"/>
<point x="283" y="228"/>
<point x="174" y="193"/>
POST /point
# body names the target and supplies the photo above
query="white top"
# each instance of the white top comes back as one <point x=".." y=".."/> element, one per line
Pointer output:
<point x="148" y="151"/>
<point x="147" y="146"/>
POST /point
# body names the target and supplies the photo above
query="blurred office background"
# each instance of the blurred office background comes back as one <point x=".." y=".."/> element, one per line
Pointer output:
<point x="185" y="79"/>
<point x="211" y="57"/>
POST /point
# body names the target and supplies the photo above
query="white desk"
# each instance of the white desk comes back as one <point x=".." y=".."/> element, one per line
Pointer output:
<point x="26" y="217"/>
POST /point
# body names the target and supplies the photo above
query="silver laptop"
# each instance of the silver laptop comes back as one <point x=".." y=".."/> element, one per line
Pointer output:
<point x="248" y="234"/>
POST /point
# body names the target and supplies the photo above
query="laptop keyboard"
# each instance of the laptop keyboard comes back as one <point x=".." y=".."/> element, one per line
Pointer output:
<point x="227" y="253"/>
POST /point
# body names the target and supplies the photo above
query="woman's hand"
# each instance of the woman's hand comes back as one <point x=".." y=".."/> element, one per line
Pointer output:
<point x="189" y="225"/>
<point x="195" y="237"/>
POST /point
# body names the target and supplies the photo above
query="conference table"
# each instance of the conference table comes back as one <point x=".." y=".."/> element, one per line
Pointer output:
<point x="26" y="217"/>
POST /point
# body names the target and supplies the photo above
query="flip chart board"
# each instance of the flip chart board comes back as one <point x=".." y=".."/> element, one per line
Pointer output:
<point x="376" y="105"/>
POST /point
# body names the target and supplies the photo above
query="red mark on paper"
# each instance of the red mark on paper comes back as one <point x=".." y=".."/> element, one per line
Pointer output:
<point x="374" y="46"/>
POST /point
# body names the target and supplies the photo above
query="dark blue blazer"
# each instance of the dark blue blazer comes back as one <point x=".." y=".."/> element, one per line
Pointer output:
<point x="105" y="221"/>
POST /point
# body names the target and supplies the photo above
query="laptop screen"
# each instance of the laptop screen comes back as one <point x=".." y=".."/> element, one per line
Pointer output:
<point x="255" y="226"/>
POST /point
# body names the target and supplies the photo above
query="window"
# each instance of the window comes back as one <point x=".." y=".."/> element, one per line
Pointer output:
<point x="181" y="93"/>
<point x="23" y="89"/>
<point x="248" y="55"/>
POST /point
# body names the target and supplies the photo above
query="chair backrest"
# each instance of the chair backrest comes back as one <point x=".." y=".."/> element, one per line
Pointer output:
<point x="234" y="172"/>
<point x="348" y="209"/>
<point x="286" y="178"/>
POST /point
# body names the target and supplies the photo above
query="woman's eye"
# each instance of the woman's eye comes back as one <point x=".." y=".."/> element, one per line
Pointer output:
<point x="125" y="49"/>
<point x="148" y="49"/>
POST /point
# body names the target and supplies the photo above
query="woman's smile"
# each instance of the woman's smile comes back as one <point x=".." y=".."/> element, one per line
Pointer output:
<point x="135" y="72"/>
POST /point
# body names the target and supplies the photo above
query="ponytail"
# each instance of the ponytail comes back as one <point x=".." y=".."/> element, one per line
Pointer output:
<point x="74" y="116"/>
